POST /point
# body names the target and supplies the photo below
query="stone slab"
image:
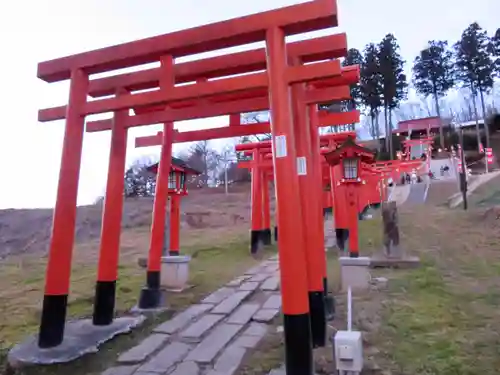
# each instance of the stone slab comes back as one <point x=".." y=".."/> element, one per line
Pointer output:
<point x="207" y="350"/>
<point x="273" y="302"/>
<point x="271" y="269"/>
<point x="186" y="368"/>
<point x="256" y="329"/>
<point x="271" y="284"/>
<point x="265" y="315"/>
<point x="140" y="352"/>
<point x="249" y="285"/>
<point x="80" y="337"/>
<point x="253" y="271"/>
<point x="231" y="302"/>
<point x="120" y="370"/>
<point x="243" y="314"/>
<point x="407" y="262"/>
<point x="196" y="330"/>
<point x="218" y="296"/>
<point x="229" y="360"/>
<point x="166" y="358"/>
<point x="248" y="342"/>
<point x="237" y="281"/>
<point x="183" y="319"/>
<point x="259" y="277"/>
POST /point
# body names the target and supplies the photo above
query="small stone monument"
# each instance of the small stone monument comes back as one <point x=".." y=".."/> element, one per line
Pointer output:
<point x="354" y="273"/>
<point x="392" y="255"/>
<point x="175" y="272"/>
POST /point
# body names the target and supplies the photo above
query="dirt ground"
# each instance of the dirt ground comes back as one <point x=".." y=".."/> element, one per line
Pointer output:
<point x="439" y="319"/>
<point x="219" y="237"/>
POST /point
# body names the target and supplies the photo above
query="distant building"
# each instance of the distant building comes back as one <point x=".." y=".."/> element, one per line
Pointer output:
<point x="430" y="125"/>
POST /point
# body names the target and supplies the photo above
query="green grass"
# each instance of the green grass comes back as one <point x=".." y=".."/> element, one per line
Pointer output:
<point x="22" y="286"/>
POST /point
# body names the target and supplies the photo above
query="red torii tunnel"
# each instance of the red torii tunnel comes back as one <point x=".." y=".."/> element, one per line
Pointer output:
<point x="371" y="193"/>
<point x="204" y="98"/>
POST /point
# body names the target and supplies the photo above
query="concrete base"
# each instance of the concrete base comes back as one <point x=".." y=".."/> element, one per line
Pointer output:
<point x="404" y="262"/>
<point x="175" y="272"/>
<point x="80" y="337"/>
<point x="354" y="272"/>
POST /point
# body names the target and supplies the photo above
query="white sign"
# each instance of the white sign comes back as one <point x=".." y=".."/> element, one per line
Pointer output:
<point x="301" y="166"/>
<point x="280" y="146"/>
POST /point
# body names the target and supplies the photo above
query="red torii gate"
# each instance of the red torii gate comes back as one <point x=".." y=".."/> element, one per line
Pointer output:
<point x="271" y="26"/>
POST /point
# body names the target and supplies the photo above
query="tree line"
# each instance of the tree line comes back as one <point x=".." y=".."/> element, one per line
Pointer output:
<point x="472" y="62"/>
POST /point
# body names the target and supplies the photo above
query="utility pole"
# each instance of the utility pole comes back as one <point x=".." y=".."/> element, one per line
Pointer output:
<point x="463" y="172"/>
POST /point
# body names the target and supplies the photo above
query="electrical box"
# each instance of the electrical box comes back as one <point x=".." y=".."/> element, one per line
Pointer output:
<point x="348" y="346"/>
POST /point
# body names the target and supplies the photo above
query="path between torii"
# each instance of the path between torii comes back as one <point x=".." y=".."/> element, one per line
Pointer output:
<point x="211" y="337"/>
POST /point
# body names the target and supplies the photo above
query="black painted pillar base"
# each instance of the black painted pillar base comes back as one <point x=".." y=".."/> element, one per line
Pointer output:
<point x="276" y="233"/>
<point x="266" y="237"/>
<point x="341" y="236"/>
<point x="318" y="318"/>
<point x="329" y="301"/>
<point x="298" y="348"/>
<point x="53" y="320"/>
<point x="256" y="239"/>
<point x="173" y="253"/>
<point x="104" y="303"/>
<point x="151" y="296"/>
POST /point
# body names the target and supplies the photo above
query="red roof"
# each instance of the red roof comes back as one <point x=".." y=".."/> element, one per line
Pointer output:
<point x="418" y="124"/>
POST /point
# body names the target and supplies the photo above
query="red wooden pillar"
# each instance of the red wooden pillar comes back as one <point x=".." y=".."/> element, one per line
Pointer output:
<point x="175" y="224"/>
<point x="352" y="215"/>
<point x="315" y="251"/>
<point x="293" y="274"/>
<point x="317" y="169"/>
<point x="151" y="295"/>
<point x="256" y="233"/>
<point x="58" y="274"/>
<point x="109" y="251"/>
<point x="266" y="210"/>
<point x="339" y="204"/>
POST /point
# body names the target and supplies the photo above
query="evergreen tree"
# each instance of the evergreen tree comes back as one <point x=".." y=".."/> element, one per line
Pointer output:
<point x="495" y="49"/>
<point x="354" y="57"/>
<point x="371" y="86"/>
<point x="474" y="64"/>
<point x="394" y="81"/>
<point x="433" y="74"/>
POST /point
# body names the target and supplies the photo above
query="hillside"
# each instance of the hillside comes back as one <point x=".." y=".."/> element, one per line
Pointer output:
<point x="28" y="231"/>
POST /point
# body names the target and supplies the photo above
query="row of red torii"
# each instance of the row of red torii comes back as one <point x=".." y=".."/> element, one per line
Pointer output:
<point x="289" y="79"/>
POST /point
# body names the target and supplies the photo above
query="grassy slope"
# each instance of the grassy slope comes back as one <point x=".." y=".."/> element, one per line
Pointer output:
<point x="21" y="276"/>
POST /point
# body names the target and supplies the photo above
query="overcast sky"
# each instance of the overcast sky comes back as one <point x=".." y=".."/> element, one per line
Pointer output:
<point x="37" y="30"/>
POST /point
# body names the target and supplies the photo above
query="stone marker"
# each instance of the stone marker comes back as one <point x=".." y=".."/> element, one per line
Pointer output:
<point x="392" y="255"/>
<point x="182" y="319"/>
<point x="196" y="330"/>
<point x="211" y="345"/>
<point x="231" y="302"/>
<point x="166" y="358"/>
<point x="140" y="352"/>
<point x="391" y="229"/>
<point x="243" y="314"/>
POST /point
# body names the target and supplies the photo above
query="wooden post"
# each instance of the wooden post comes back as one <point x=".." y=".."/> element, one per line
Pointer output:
<point x="391" y="230"/>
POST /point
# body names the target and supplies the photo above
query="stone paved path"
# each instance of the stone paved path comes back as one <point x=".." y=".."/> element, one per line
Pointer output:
<point x="211" y="337"/>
